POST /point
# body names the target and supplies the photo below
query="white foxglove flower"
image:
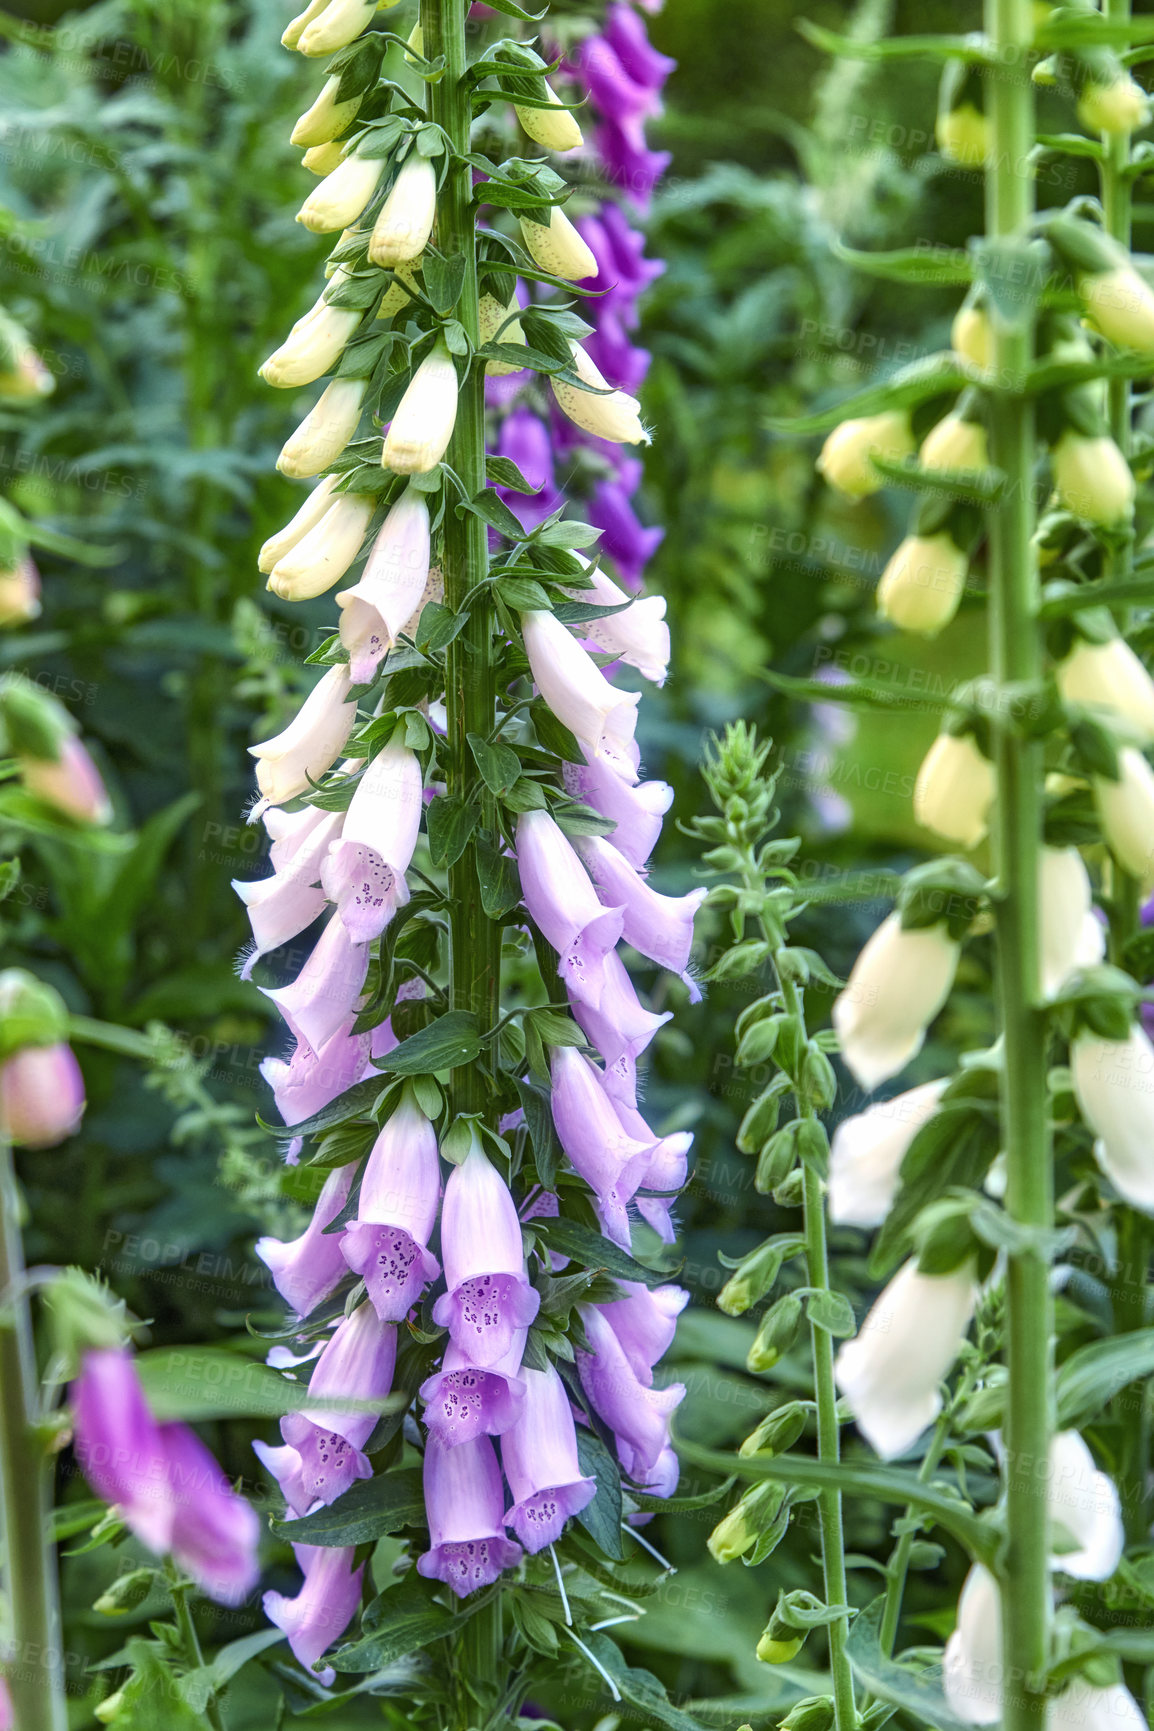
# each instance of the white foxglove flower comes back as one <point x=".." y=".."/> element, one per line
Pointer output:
<point x="972" y="338"/>
<point x="1120" y="304"/>
<point x="922" y="585"/>
<point x="396" y="297"/>
<point x="377" y="609"/>
<point x="1071" y="936"/>
<point x="1118" y="107"/>
<point x="1126" y="811"/>
<point x="578" y="692"/>
<point x="401" y="231"/>
<point x="955" y="446"/>
<point x="1092" y="478"/>
<point x="972" y="1663"/>
<point x="846" y="460"/>
<point x="559" y="248"/>
<point x="867" y="1153"/>
<point x="322" y="557"/>
<point x="1109" y="676"/>
<point x="341" y="22"/>
<point x="890" y="1372"/>
<point x="1114" y="1087"/>
<point x="1083" y="1707"/>
<point x="491" y="316"/>
<point x="294" y="31"/>
<point x="312" y="347"/>
<point x="365" y="869"/>
<point x="423" y="423"/>
<point x="554" y="128"/>
<point x="1084" y="1501"/>
<point x="342" y="195"/>
<point x="955" y="789"/>
<point x="616" y="417"/>
<point x="323" y="159"/>
<point x="898" y="984"/>
<point x="325" y="430"/>
<point x="309" y="745"/>
<point x="309" y="515"/>
<point x="638" y="635"/>
<point x="963" y="135"/>
<point x="327" y="118"/>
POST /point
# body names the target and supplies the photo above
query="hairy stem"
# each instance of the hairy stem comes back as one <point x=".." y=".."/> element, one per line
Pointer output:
<point x="190" y="1640"/>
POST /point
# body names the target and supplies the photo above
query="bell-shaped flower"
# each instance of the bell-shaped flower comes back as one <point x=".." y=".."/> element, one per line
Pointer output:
<point x="620" y="1027"/>
<point x="215" y="1532"/>
<point x="340" y="23"/>
<point x="972" y="1671"/>
<point x="661" y="927"/>
<point x="1119" y="106"/>
<point x="322" y="556"/>
<point x="365" y="869"/>
<point x="553" y="128"/>
<point x="41" y="1095"/>
<point x="396" y="1211"/>
<point x="867" y="1153"/>
<point x="1109" y="676"/>
<point x="342" y="195"/>
<point x="1084" y="1707"/>
<point x="891" y="1371"/>
<point x="955" y="446"/>
<point x="309" y="515"/>
<point x="558" y="248"/>
<point x="397" y="298"/>
<point x="1070" y="935"/>
<point x="380" y="605"/>
<point x="645" y="1321"/>
<point x="898" y="984"/>
<point x="1083" y="1504"/>
<point x="637" y="1414"/>
<point x="539" y="1455"/>
<point x="922" y="585"/>
<point x="972" y="337"/>
<point x="1126" y="813"/>
<point x="312" y="347"/>
<point x="666" y="1174"/>
<point x="327" y="118"/>
<point x="463" y="1402"/>
<point x="464" y="1506"/>
<point x="306" y="1269"/>
<point x="611" y="1162"/>
<point x="357" y="1363"/>
<point x="846" y="460"/>
<point x="489" y="1296"/>
<point x="497" y="322"/>
<point x="322" y="159"/>
<point x="1120" y="304"/>
<point x="309" y="1080"/>
<point x="69" y="782"/>
<point x="422" y="426"/>
<point x="636" y="807"/>
<point x="1092" y="478"/>
<point x="296" y="27"/>
<point x="615" y="416"/>
<point x="282" y="906"/>
<point x="326" y="990"/>
<point x="576" y="690"/>
<point x="325" y="430"/>
<point x="402" y="230"/>
<point x="564" y="905"/>
<point x="1114" y="1087"/>
<point x="296" y="759"/>
<point x="955" y="789"/>
<point x="638" y="635"/>
<point x="323" y="1609"/>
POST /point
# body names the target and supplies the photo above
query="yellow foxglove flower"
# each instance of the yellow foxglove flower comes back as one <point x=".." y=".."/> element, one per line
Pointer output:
<point x="898" y="984"/>
<point x="312" y="347"/>
<point x="340" y="23"/>
<point x="321" y="558"/>
<point x="955" y="790"/>
<point x="342" y="195"/>
<point x="554" y="128"/>
<point x="972" y="337"/>
<point x="846" y="457"/>
<point x="325" y="430"/>
<point x="1126" y="811"/>
<point x="1092" y="478"/>
<point x="1112" y="1084"/>
<point x="955" y="446"/>
<point x="397" y="297"/>
<point x="1070" y="935"/>
<point x="401" y="231"/>
<point x="322" y="159"/>
<point x="309" y="515"/>
<point x="963" y="136"/>
<point x="1118" y="107"/>
<point x="559" y="248"/>
<point x="616" y="417"/>
<point x="423" y="424"/>
<point x="491" y="315"/>
<point x="1120" y="304"/>
<point x="1109" y="676"/>
<point x="327" y="118"/>
<point x="309" y="745"/>
<point x="295" y="30"/>
<point x="923" y="583"/>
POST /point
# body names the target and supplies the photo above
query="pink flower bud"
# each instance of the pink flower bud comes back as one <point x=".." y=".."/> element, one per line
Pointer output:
<point x="41" y="1095"/>
<point x="72" y="783"/>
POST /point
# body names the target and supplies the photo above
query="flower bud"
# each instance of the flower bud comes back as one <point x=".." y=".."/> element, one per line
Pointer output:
<point x="126" y="1593"/>
<point x="777" y="1334"/>
<point x="1109" y="676"/>
<point x="955" y="446"/>
<point x="322" y="159"/>
<point x="1118" y="107"/>
<point x="327" y="118"/>
<point x="955" y="789"/>
<point x="1120" y="304"/>
<point x="740" y="1529"/>
<point x="401" y="231"/>
<point x="423" y="423"/>
<point x="772" y="1650"/>
<point x="559" y="248"/>
<point x="1126" y="812"/>
<point x="898" y="984"/>
<point x="23" y="374"/>
<point x="846" y="457"/>
<point x="41" y="1095"/>
<point x="312" y="347"/>
<point x="923" y="583"/>
<point x="309" y="515"/>
<point x="322" y="557"/>
<point x="340" y="23"/>
<point x="325" y="430"/>
<point x="342" y="195"/>
<point x="1092" y="479"/>
<point x="777" y="1431"/>
<point x="70" y="782"/>
<point x="554" y="128"/>
<point x="616" y="417"/>
<point x="963" y="136"/>
<point x="19" y="592"/>
<point x="110" y="1709"/>
<point x="814" y="1713"/>
<point x="491" y="315"/>
<point x="972" y="337"/>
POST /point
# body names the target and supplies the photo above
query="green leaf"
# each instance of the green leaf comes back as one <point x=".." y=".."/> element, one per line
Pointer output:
<point x="525" y="795"/>
<point x="408" y="1620"/>
<point x="554" y="735"/>
<point x="973" y="49"/>
<point x="493" y="510"/>
<point x="443" y="279"/>
<point x="438" y="626"/>
<point x="831" y="1311"/>
<point x="858" y="693"/>
<point x="197" y="1383"/>
<point x="602" y="1517"/>
<point x="934" y="376"/>
<point x="955" y="1148"/>
<point x="592" y="1250"/>
<point x="919" y="1693"/>
<point x="499" y="764"/>
<point x="369" y="1510"/>
<point x="450" y="821"/>
<point x="503" y="472"/>
<point x="640" y="1689"/>
<point x="1096" y="1373"/>
<point x="542" y="1134"/>
<point x="935" y="266"/>
<point x="523" y="595"/>
<point x="497" y="876"/>
<point x="152" y="1694"/>
<point x="447" y="1043"/>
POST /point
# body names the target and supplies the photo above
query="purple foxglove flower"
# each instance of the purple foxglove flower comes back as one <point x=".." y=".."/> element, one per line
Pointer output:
<point x="627" y="36"/>
<point x="41" y="1095"/>
<point x="309" y="745"/>
<point x="645" y="1323"/>
<point x="627" y="160"/>
<point x="324" y="1607"/>
<point x="464" y="1505"/>
<point x="564" y="906"/>
<point x="614" y="353"/>
<point x="620" y="1027"/>
<point x="662" y="1481"/>
<point x="624" y="539"/>
<point x="661" y="927"/>
<point x="282" y="906"/>
<point x="539" y="1455"/>
<point x="463" y="1402"/>
<point x="608" y="83"/>
<point x="636" y="808"/>
<point x="624" y="272"/>
<point x="358" y="1363"/>
<point x="576" y="690"/>
<point x="306" y="1269"/>
<point x="379" y="606"/>
<point x="592" y="1135"/>
<point x="309" y="1080"/>
<point x="365" y="870"/>
<point x="489" y="1296"/>
<point x="327" y="988"/>
<point x="638" y="635"/>
<point x="668" y="1170"/>
<point x="637" y="1414"/>
<point x="396" y="1213"/>
<point x="215" y="1533"/>
<point x="524" y="439"/>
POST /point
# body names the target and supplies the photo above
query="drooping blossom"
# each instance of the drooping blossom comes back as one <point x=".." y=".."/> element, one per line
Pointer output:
<point x="637" y="1413"/>
<point x="564" y="905"/>
<point x="463" y="1401"/>
<point x="465" y="1508"/>
<point x="42" y="1096"/>
<point x="387" y="1243"/>
<point x="325" y="1606"/>
<point x="488" y="1295"/>
<point x="328" y="986"/>
<point x="539" y="1455"/>
<point x="356" y="1363"/>
<point x="306" y="1269"/>
<point x="364" y="870"/>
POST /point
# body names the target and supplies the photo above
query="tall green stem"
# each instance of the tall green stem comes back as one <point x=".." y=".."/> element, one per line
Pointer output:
<point x="35" y="1661"/>
<point x="1015" y="658"/>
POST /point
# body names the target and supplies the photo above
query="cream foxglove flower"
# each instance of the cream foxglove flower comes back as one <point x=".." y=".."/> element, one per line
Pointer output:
<point x="972" y="337"/>
<point x="922" y="585"/>
<point x="340" y="23"/>
<point x="616" y="417"/>
<point x="1114" y="1087"/>
<point x="972" y="1662"/>
<point x="554" y="128"/>
<point x="327" y="118"/>
<point x="401" y="231"/>
<point x="867" y="1153"/>
<point x="1092" y="478"/>
<point x="322" y="557"/>
<point x="899" y="983"/>
<point x="1083" y="1707"/>
<point x="638" y="635"/>
<point x="1109" y="676"/>
<point x="312" y="348"/>
<point x="325" y="430"/>
<point x="294" y="31"/>
<point x="955" y="789"/>
<point x="322" y="159"/>
<point x="397" y="297"/>
<point x="891" y="1371"/>
<point x="1118" y="107"/>
<point x="955" y="446"/>
<point x="846" y="457"/>
<point x="309" y="745"/>
<point x="1126" y="811"/>
<point x="342" y="195"/>
<point x="1120" y="304"/>
<point x="309" y="515"/>
<point x="559" y="248"/>
<point x="1071" y="936"/>
<point x="423" y="423"/>
<point x="491" y="316"/>
<point x="1084" y="1501"/>
<point x="578" y="692"/>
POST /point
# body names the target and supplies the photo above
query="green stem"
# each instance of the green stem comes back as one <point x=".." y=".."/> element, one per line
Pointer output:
<point x="35" y="1657"/>
<point x="1015" y="656"/>
<point x="190" y="1640"/>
